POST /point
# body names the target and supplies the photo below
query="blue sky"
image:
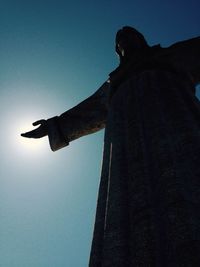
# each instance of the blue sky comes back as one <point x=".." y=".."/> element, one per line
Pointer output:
<point x="53" y="54"/>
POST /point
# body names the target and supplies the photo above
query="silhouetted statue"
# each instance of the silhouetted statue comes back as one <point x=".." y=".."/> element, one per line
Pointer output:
<point x="148" y="211"/>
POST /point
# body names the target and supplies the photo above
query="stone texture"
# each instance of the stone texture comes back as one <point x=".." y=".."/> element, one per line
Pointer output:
<point x="148" y="211"/>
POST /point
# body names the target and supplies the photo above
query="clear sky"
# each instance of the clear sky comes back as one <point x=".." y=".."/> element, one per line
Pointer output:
<point x="53" y="54"/>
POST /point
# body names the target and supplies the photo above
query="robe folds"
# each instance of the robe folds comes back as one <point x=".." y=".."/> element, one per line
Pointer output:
<point x="148" y="210"/>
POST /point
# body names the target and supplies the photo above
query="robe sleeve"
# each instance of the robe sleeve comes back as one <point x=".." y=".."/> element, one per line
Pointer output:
<point x="185" y="56"/>
<point x="87" y="117"/>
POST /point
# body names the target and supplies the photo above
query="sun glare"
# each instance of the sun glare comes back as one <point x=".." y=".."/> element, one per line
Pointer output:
<point x="28" y="146"/>
<point x="29" y="143"/>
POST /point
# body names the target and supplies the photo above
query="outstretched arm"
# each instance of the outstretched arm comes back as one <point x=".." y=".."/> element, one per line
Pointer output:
<point x="87" y="117"/>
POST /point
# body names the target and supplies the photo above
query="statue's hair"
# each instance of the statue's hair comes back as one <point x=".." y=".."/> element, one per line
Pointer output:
<point x="133" y="31"/>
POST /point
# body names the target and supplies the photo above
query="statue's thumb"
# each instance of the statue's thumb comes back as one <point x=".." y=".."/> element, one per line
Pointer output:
<point x="38" y="122"/>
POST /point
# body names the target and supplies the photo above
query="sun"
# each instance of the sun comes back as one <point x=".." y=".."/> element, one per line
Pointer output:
<point x="27" y="146"/>
<point x="29" y="143"/>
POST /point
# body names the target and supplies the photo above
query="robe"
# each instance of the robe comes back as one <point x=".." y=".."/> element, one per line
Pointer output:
<point x="148" y="210"/>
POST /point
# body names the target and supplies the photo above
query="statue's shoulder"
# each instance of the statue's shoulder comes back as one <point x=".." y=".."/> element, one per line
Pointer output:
<point x="186" y="45"/>
<point x="186" y="55"/>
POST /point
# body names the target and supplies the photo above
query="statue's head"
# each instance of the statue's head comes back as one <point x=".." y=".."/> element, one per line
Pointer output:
<point x="129" y="40"/>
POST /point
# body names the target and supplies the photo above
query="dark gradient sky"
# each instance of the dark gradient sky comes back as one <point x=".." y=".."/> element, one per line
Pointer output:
<point x="53" y="54"/>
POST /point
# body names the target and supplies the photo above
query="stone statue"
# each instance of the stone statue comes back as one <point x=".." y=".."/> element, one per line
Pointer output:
<point x="148" y="211"/>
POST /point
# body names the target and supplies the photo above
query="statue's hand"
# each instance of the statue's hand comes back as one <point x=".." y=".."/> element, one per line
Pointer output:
<point x="41" y="131"/>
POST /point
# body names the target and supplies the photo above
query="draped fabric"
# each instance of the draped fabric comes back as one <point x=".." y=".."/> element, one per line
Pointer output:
<point x="148" y="207"/>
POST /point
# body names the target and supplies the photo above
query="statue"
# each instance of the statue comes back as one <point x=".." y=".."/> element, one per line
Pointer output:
<point x="148" y="211"/>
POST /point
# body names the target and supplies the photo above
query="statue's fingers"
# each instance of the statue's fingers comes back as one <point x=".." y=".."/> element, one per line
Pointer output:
<point x="23" y="134"/>
<point x="28" y="134"/>
<point x="31" y="134"/>
<point x="38" y="122"/>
